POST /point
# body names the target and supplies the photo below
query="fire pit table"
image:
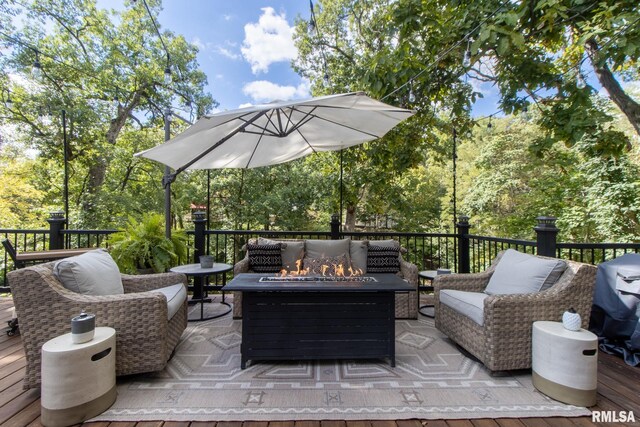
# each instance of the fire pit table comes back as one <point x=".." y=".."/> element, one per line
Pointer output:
<point x="294" y="318"/>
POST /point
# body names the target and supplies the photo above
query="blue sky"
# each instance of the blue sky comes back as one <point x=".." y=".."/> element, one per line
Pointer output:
<point x="246" y="48"/>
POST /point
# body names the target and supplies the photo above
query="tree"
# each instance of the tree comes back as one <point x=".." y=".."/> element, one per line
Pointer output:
<point x="532" y="50"/>
<point x="105" y="70"/>
<point x="343" y="43"/>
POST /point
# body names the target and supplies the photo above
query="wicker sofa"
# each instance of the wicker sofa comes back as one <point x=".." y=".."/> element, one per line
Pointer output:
<point x="503" y="342"/>
<point x="406" y="304"/>
<point x="145" y="337"/>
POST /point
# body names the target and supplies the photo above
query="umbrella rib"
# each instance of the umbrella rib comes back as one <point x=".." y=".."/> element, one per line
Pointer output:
<point x="255" y="148"/>
<point x="264" y="129"/>
<point x="220" y="142"/>
<point x="348" y="127"/>
<point x="307" y="116"/>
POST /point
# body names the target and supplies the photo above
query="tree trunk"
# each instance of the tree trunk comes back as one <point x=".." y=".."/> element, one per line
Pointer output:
<point x="123" y="114"/>
<point x="627" y="105"/>
<point x="350" y="220"/>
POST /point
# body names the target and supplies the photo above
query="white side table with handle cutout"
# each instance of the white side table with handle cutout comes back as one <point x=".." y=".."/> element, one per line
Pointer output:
<point x="564" y="363"/>
<point x="78" y="380"/>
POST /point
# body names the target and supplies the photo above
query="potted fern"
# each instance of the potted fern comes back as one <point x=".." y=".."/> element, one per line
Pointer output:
<point x="143" y="248"/>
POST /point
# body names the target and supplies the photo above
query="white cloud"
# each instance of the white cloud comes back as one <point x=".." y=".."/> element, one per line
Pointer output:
<point x="245" y="105"/>
<point x="196" y="41"/>
<point x="267" y="41"/>
<point x="228" y="53"/>
<point x="264" y="91"/>
<point x="227" y="17"/>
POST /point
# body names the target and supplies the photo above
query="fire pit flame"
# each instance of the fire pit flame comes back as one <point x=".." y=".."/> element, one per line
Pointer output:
<point x="326" y="270"/>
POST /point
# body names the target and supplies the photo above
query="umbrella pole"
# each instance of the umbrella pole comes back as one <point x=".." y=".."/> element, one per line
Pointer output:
<point x="341" y="220"/>
<point x="167" y="181"/>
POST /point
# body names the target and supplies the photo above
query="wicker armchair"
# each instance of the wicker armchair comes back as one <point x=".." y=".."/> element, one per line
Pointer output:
<point x="406" y="304"/>
<point x="504" y="341"/>
<point x="145" y="339"/>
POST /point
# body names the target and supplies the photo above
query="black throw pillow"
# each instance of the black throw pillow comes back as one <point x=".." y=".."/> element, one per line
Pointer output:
<point x="265" y="258"/>
<point x="383" y="259"/>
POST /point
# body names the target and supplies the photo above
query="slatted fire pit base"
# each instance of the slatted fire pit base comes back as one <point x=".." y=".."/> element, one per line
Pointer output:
<point x="317" y="320"/>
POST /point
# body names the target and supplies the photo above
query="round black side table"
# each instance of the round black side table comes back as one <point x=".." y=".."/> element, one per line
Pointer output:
<point x="196" y="270"/>
<point x="426" y="275"/>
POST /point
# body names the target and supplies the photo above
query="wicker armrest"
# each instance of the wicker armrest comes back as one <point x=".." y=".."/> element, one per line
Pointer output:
<point x="149" y="282"/>
<point x="409" y="272"/>
<point x="241" y="266"/>
<point x="474" y="282"/>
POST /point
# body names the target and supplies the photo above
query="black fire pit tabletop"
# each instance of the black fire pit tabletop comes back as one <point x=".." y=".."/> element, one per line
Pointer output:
<point x="261" y="282"/>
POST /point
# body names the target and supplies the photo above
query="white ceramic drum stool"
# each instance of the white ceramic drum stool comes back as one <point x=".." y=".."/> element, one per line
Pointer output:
<point x="78" y="380"/>
<point x="564" y="363"/>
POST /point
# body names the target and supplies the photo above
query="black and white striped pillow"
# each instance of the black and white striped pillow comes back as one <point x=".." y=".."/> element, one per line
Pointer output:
<point x="265" y="258"/>
<point x="383" y="259"/>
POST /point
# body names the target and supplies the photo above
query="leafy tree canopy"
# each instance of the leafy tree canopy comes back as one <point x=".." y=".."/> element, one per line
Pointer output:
<point x="105" y="70"/>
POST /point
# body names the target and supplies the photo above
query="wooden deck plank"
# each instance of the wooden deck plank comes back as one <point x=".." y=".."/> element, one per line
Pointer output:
<point x="281" y="423"/>
<point x="434" y="423"/>
<point x="535" y="422"/>
<point x="176" y="424"/>
<point x="24" y="408"/>
<point x="510" y="422"/>
<point x="333" y="423"/>
<point x="406" y="423"/>
<point x="358" y="423"/>
<point x="194" y="424"/>
<point x="484" y="422"/>
<point x="459" y="423"/>
<point x="255" y="424"/>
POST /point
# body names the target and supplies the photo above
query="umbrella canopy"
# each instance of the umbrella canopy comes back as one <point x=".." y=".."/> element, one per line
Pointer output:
<point x="278" y="132"/>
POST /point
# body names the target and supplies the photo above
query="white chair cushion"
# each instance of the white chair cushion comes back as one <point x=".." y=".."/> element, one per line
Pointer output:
<point x="518" y="273"/>
<point x="176" y="295"/>
<point x="471" y="304"/>
<point x="92" y="273"/>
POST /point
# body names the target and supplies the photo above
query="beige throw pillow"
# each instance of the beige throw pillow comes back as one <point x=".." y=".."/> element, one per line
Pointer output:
<point x="358" y="253"/>
<point x="92" y="273"/>
<point x="292" y="251"/>
<point x="326" y="248"/>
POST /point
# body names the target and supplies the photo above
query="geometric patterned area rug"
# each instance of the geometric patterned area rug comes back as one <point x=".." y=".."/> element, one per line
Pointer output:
<point x="431" y="380"/>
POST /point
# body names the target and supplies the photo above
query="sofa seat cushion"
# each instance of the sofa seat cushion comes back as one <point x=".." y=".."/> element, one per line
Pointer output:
<point x="470" y="304"/>
<point x="519" y="273"/>
<point x="265" y="258"/>
<point x="358" y="250"/>
<point x="326" y="248"/>
<point x="328" y="266"/>
<point x="176" y="296"/>
<point x="383" y="259"/>
<point x="92" y="273"/>
<point x="292" y="252"/>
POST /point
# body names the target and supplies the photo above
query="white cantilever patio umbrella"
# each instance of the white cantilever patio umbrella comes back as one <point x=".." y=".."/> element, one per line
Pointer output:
<point x="278" y="132"/>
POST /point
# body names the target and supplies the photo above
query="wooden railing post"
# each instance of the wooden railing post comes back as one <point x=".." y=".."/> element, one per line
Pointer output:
<point x="546" y="233"/>
<point x="464" y="261"/>
<point x="335" y="227"/>
<point x="56" y="222"/>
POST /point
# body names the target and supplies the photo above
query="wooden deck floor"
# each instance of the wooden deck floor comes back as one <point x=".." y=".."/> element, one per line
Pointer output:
<point x="618" y="390"/>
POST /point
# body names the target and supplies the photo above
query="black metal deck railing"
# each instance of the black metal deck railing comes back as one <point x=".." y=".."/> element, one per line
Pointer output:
<point x="460" y="251"/>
